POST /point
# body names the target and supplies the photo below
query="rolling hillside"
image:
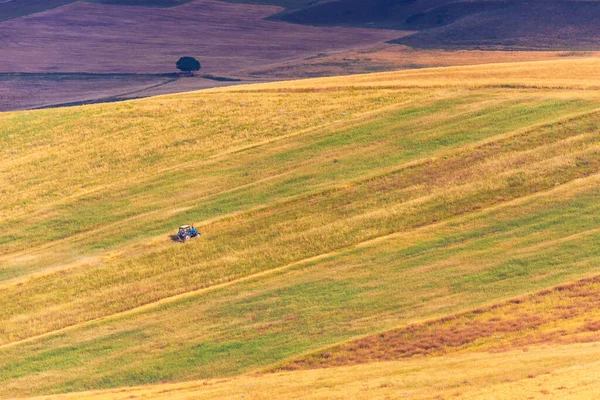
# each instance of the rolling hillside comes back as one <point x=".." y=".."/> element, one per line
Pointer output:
<point x="456" y="24"/>
<point x="87" y="52"/>
<point x="561" y="372"/>
<point x="462" y="24"/>
<point x="422" y="227"/>
<point x="66" y="52"/>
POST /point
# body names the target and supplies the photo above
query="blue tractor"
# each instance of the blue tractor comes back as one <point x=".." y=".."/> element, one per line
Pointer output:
<point x="187" y="232"/>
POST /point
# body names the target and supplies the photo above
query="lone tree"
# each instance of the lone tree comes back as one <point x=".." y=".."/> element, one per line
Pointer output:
<point x="188" y="64"/>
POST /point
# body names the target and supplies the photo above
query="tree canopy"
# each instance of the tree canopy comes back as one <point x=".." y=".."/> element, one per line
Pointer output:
<point x="188" y="64"/>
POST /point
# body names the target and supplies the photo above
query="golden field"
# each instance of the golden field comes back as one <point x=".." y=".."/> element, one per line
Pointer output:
<point x="334" y="211"/>
<point x="561" y="372"/>
<point x="395" y="57"/>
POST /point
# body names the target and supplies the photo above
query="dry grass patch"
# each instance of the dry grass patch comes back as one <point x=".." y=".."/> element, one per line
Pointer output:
<point x="560" y="372"/>
<point x="578" y="74"/>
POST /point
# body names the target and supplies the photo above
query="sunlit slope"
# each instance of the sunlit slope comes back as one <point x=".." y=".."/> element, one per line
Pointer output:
<point x="561" y="372"/>
<point x="530" y="347"/>
<point x="566" y="74"/>
<point x="328" y="211"/>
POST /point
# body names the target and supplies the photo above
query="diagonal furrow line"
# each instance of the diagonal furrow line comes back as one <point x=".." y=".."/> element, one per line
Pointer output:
<point x="361" y="118"/>
<point x="352" y="182"/>
<point x="219" y="156"/>
<point x="567" y="188"/>
<point x="382" y="172"/>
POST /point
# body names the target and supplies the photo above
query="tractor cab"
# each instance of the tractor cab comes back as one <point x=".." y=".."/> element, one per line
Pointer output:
<point x="187" y="232"/>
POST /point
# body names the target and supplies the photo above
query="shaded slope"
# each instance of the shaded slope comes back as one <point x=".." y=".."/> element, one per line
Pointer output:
<point x="561" y="24"/>
<point x="12" y="9"/>
<point x="15" y="9"/>
<point x="224" y="37"/>
<point x="241" y="44"/>
<point x="564" y="25"/>
<point x="390" y="14"/>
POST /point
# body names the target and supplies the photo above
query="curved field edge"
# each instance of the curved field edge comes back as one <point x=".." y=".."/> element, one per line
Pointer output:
<point x="575" y="74"/>
<point x="549" y="339"/>
<point x="563" y="315"/>
<point x="560" y="371"/>
<point x="457" y="197"/>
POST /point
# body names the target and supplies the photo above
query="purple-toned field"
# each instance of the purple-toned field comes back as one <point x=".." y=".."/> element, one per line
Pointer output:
<point x="225" y="37"/>
<point x="47" y="91"/>
<point x="228" y="39"/>
<point x="34" y="93"/>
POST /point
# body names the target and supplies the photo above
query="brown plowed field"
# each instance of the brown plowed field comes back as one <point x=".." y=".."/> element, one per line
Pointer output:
<point x="83" y="37"/>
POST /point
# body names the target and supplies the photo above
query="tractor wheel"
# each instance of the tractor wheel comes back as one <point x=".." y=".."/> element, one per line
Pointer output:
<point x="186" y="238"/>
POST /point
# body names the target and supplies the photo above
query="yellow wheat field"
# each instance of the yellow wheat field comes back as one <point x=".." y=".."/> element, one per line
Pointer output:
<point x="331" y="209"/>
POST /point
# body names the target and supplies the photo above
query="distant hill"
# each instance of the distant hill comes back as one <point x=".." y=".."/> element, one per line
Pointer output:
<point x="514" y="24"/>
<point x="75" y="53"/>
<point x="10" y="9"/>
<point x="464" y="24"/>
<point x="64" y="52"/>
